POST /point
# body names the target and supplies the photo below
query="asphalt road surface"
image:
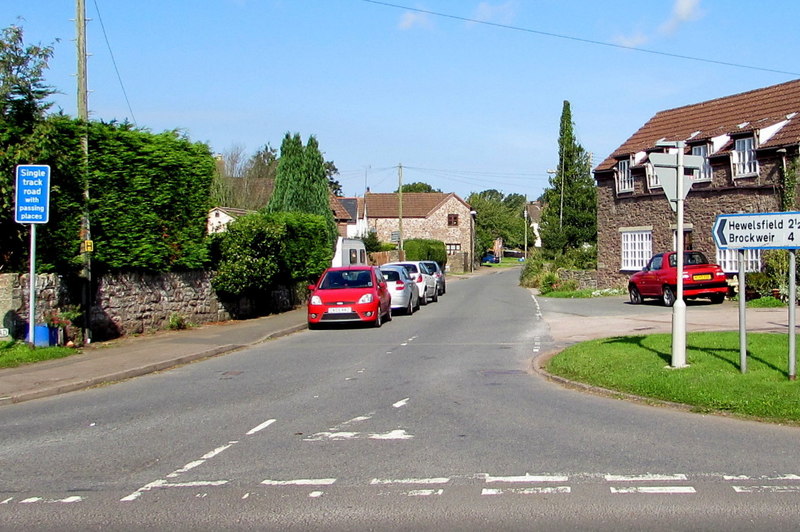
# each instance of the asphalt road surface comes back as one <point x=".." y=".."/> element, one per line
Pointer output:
<point x="432" y="422"/>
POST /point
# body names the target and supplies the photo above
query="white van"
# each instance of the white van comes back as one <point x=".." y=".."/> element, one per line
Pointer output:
<point x="349" y="251"/>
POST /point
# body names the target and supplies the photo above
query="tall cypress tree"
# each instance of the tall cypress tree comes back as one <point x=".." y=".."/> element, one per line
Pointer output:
<point x="288" y="173"/>
<point x="569" y="217"/>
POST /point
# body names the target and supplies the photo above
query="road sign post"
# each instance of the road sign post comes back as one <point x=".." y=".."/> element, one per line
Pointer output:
<point x="761" y="230"/>
<point x="32" y="206"/>
<point x="676" y="186"/>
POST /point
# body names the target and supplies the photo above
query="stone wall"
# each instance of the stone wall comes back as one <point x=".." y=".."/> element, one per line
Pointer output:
<point x="586" y="279"/>
<point x="134" y="303"/>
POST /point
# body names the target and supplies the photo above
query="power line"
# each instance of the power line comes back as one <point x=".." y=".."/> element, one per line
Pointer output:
<point x="580" y="39"/>
<point x="114" y="62"/>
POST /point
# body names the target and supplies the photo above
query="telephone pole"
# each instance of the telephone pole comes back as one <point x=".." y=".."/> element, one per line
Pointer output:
<point x="400" y="191"/>
<point x="83" y="116"/>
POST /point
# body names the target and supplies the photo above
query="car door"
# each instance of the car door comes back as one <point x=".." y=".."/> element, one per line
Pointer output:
<point x="650" y="284"/>
<point x="384" y="296"/>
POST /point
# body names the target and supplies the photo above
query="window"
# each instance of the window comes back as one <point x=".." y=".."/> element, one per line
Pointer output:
<point x="744" y="158"/>
<point x="636" y="249"/>
<point x="453" y="248"/>
<point x="452" y="220"/>
<point x="728" y="259"/>
<point x="653" y="180"/>
<point x="624" y="178"/>
<point x="704" y="174"/>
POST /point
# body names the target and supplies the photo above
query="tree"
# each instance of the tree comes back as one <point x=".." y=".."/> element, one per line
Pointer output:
<point x="569" y="215"/>
<point x="23" y="105"/>
<point x="417" y="187"/>
<point x="498" y="216"/>
<point x="333" y="184"/>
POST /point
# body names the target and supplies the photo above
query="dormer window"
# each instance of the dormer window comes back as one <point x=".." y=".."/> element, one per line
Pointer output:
<point x="624" y="177"/>
<point x="653" y="180"/>
<point x="744" y="158"/>
<point x="703" y="174"/>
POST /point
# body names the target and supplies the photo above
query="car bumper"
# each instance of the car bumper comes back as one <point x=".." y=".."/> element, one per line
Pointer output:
<point x="323" y="314"/>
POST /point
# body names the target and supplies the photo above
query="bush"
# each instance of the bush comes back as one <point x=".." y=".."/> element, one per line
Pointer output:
<point x="306" y="250"/>
<point x="760" y="283"/>
<point x="426" y="249"/>
<point x="549" y="282"/>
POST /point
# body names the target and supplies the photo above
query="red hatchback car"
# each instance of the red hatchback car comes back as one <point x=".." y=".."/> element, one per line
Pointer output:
<point x="350" y="293"/>
<point x="659" y="279"/>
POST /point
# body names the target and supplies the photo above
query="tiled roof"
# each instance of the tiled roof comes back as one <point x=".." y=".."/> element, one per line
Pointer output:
<point x="351" y="204"/>
<point x="339" y="212"/>
<point x="731" y="115"/>
<point x="415" y="204"/>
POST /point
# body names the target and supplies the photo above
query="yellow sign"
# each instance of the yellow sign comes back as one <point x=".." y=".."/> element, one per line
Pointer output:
<point x="87" y="246"/>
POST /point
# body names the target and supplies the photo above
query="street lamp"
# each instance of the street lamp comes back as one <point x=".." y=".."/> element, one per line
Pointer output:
<point x="472" y="215"/>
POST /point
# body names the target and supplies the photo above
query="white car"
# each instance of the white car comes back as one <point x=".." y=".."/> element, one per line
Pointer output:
<point x="426" y="281"/>
<point x="405" y="296"/>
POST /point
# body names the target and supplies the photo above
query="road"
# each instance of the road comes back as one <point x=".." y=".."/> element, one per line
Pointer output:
<point x="432" y="422"/>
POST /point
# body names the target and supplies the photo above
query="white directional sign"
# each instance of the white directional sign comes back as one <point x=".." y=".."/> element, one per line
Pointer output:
<point x="666" y="168"/>
<point x="764" y="230"/>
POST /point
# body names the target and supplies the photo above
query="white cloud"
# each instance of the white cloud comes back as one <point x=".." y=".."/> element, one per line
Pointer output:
<point x="413" y="19"/>
<point x="682" y="11"/>
<point x="631" y="41"/>
<point x="499" y="13"/>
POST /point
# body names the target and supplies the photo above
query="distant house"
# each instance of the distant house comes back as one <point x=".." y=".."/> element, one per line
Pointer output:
<point x="433" y="215"/>
<point x="534" y="214"/>
<point x="220" y="217"/>
<point x="340" y="214"/>
<point x="749" y="142"/>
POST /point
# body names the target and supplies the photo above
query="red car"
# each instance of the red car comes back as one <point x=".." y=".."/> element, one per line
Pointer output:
<point x="350" y="293"/>
<point x="659" y="278"/>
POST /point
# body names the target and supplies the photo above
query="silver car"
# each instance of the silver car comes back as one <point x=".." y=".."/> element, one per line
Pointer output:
<point x="438" y="272"/>
<point x="426" y="282"/>
<point x="403" y="289"/>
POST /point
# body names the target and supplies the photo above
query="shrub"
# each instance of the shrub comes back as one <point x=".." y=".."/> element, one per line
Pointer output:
<point x="549" y="282"/>
<point x="426" y="249"/>
<point x="306" y="250"/>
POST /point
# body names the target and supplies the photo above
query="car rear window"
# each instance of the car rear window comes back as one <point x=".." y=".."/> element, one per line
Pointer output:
<point x="411" y="268"/>
<point x="391" y="275"/>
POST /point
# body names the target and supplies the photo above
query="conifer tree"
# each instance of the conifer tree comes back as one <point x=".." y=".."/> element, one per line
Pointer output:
<point x="569" y="216"/>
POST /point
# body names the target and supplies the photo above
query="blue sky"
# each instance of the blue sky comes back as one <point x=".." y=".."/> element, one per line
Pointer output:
<point x="466" y="102"/>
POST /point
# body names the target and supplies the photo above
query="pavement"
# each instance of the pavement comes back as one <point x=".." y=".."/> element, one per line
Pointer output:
<point x="125" y="358"/>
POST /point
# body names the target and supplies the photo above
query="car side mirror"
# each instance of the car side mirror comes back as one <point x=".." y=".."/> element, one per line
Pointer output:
<point x="312" y="287"/>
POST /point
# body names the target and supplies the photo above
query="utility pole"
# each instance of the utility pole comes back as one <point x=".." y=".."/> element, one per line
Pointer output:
<point x="83" y="116"/>
<point x="525" y="217"/>
<point x="400" y="190"/>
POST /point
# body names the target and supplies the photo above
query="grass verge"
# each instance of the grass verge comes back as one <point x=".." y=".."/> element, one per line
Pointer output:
<point x="13" y="354"/>
<point x="638" y="365"/>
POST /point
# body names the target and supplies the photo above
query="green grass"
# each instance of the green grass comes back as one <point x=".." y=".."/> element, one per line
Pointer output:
<point x="13" y="354"/>
<point x="578" y="294"/>
<point x="712" y="382"/>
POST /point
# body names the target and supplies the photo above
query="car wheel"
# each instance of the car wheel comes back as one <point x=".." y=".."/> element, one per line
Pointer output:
<point x="410" y="307"/>
<point x="717" y="298"/>
<point x="416" y="303"/>
<point x="378" y="322"/>
<point x="435" y="297"/>
<point x="636" y="297"/>
<point x="668" y="297"/>
<point x="423" y="299"/>
<point x="389" y="314"/>
<point x="444" y="289"/>
<point x="313" y="326"/>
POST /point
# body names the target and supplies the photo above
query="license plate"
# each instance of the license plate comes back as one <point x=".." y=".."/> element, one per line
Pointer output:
<point x="339" y="310"/>
<point x="703" y="277"/>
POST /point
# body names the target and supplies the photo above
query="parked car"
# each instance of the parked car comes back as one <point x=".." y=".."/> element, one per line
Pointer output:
<point x="659" y="279"/>
<point x="490" y="258"/>
<point x="403" y="289"/>
<point x="426" y="282"/>
<point x="438" y="272"/>
<point x="350" y="293"/>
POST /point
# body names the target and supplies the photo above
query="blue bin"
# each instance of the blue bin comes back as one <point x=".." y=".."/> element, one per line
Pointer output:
<point x="44" y="336"/>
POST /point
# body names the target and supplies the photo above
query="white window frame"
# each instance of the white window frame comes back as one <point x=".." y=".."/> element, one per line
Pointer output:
<point x="624" y="177"/>
<point x="728" y="259"/>
<point x="705" y="173"/>
<point x="636" y="248"/>
<point x="652" y="177"/>
<point x="745" y="162"/>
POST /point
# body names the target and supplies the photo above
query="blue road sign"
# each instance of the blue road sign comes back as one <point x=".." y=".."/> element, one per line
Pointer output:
<point x="32" y="201"/>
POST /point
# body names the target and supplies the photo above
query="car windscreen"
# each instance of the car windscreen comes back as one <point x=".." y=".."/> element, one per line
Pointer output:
<point x="690" y="258"/>
<point x="410" y="268"/>
<point x="346" y="279"/>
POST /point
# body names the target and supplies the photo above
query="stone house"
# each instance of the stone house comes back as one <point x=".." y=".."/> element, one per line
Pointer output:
<point x="750" y="144"/>
<point x="433" y="215"/>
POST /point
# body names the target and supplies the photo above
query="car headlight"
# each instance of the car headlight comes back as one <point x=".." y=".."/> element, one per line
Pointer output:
<point x="366" y="298"/>
<point x="315" y="300"/>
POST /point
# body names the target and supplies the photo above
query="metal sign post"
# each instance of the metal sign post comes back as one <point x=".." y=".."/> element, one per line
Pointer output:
<point x="764" y="230"/>
<point x="32" y="206"/>
<point x="670" y="170"/>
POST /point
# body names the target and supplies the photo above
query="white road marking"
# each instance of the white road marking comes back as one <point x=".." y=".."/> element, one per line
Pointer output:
<point x="745" y="477"/>
<point x="315" y="494"/>
<point x="319" y="436"/>
<point x="300" y="482"/>
<point x="542" y="490"/>
<point x="424" y="493"/>
<point x="31" y="500"/>
<point x="645" y="478"/>
<point x="260" y="427"/>
<point x="399" y="434"/>
<point x="246" y="495"/>
<point x="441" y="480"/>
<point x="68" y="500"/>
<point x="7" y="500"/>
<point x="164" y="484"/>
<point x="662" y="490"/>
<point x="766" y="489"/>
<point x="207" y="456"/>
<point x="527" y="478"/>
<point x="404" y="402"/>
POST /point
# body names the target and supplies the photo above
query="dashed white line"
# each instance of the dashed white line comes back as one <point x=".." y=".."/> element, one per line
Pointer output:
<point x="315" y="494"/>
<point x="645" y="478"/>
<point x="399" y="434"/>
<point x="663" y="490"/>
<point x="260" y="427"/>
<point x="766" y="489"/>
<point x="527" y="478"/>
<point x="539" y="490"/>
<point x="300" y="482"/>
<point x="424" y="493"/>
<point x="399" y="404"/>
<point x="383" y="481"/>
